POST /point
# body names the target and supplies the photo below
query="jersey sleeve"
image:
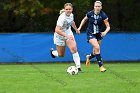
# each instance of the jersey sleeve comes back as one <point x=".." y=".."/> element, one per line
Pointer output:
<point x="88" y="14"/>
<point x="104" y="15"/>
<point x="60" y="21"/>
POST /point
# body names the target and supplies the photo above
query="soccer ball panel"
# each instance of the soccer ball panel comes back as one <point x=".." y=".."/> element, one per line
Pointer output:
<point x="72" y="70"/>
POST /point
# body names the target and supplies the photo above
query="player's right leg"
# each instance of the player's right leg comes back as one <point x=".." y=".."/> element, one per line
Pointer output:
<point x="92" y="55"/>
<point x="89" y="57"/>
<point x="60" y="52"/>
<point x="60" y="46"/>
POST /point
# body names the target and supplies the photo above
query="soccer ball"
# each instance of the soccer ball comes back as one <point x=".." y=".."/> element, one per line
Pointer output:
<point x="72" y="70"/>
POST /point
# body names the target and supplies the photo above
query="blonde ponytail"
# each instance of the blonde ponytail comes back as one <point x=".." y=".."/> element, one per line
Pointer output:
<point x="61" y="11"/>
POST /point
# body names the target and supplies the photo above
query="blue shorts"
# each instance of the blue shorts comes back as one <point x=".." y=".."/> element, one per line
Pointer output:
<point x="96" y="36"/>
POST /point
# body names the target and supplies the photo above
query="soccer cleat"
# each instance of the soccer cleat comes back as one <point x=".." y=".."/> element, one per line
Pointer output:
<point x="79" y="70"/>
<point x="87" y="61"/>
<point x="51" y="50"/>
<point x="102" y="69"/>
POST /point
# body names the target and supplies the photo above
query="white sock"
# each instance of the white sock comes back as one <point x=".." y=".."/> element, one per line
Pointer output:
<point x="76" y="59"/>
<point x="55" y="53"/>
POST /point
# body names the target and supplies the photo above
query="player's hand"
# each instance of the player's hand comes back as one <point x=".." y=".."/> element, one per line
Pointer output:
<point x="103" y="34"/>
<point x="78" y="31"/>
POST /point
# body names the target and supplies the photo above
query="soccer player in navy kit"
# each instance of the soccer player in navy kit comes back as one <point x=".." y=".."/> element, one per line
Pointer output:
<point x="96" y="18"/>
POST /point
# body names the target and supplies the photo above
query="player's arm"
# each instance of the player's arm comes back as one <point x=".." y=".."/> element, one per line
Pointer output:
<point x="83" y="22"/>
<point x="75" y="27"/>
<point x="107" y="27"/>
<point x="60" y="32"/>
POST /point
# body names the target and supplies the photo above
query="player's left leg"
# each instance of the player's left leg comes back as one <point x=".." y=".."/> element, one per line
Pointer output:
<point x="102" y="69"/>
<point x="71" y="43"/>
<point x="98" y="57"/>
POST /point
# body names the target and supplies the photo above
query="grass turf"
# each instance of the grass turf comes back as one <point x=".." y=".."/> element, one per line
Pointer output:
<point x="52" y="78"/>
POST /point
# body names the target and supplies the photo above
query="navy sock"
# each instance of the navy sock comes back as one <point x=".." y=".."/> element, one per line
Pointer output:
<point x="99" y="59"/>
<point x="91" y="56"/>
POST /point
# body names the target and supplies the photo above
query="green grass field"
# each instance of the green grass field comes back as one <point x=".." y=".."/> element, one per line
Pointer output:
<point x="52" y="78"/>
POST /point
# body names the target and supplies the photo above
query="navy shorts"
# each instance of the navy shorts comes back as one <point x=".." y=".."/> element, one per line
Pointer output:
<point x="96" y="36"/>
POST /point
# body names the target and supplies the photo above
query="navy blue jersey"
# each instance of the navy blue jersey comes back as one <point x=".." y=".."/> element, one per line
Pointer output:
<point x="95" y="22"/>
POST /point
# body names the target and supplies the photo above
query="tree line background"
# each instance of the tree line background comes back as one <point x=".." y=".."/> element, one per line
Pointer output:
<point x="41" y="15"/>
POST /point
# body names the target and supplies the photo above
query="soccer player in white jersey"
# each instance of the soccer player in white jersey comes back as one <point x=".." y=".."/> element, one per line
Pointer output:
<point x="64" y="36"/>
<point x="96" y="18"/>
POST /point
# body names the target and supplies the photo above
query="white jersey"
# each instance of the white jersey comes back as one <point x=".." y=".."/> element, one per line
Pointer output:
<point x="65" y="22"/>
